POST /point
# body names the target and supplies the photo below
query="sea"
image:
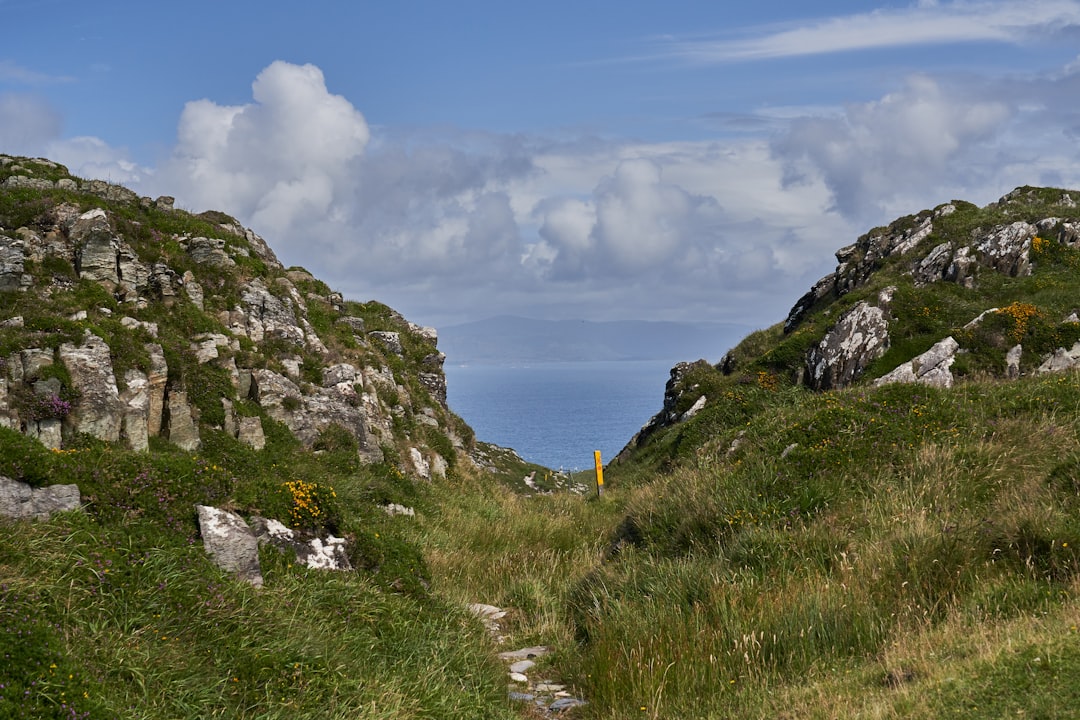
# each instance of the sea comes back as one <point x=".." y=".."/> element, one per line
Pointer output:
<point x="556" y="414"/>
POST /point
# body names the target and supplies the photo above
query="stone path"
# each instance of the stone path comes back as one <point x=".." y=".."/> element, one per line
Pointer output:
<point x="526" y="686"/>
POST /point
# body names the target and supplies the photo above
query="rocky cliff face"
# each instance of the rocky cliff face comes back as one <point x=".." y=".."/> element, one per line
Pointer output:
<point x="126" y="319"/>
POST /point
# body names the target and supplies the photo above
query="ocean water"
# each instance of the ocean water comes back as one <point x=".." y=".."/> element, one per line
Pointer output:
<point x="557" y="414"/>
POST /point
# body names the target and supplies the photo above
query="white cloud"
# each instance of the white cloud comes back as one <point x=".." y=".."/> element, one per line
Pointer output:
<point x="914" y="142"/>
<point x="27" y="124"/>
<point x="926" y="23"/>
<point x="280" y="160"/>
<point x="12" y="72"/>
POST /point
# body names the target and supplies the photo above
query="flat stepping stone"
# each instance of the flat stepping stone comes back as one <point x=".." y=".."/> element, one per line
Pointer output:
<point x="565" y="704"/>
<point x="522" y="666"/>
<point x="487" y="612"/>
<point x="525" y="653"/>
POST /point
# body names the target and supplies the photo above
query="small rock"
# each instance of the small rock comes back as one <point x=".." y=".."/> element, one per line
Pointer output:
<point x="518" y="677"/>
<point x="522" y="666"/>
<point x="525" y="653"/>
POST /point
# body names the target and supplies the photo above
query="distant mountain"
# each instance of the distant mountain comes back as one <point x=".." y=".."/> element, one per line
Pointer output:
<point x="509" y="339"/>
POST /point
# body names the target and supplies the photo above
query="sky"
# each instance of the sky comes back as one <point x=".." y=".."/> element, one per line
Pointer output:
<point x="597" y="160"/>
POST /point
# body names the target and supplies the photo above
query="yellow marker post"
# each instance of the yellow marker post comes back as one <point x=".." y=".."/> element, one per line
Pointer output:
<point x="599" y="473"/>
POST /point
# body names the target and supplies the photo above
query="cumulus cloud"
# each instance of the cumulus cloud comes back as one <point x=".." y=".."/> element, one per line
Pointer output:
<point x="278" y="160"/>
<point x="919" y="139"/>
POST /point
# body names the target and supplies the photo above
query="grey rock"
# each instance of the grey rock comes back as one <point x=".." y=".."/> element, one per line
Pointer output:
<point x="230" y="543"/>
<point x="250" y="432"/>
<point x="48" y="432"/>
<point x="209" y="251"/>
<point x="1061" y="360"/>
<point x="856" y="340"/>
<point x="527" y="653"/>
<point x="327" y="553"/>
<point x="930" y="368"/>
<point x="390" y="340"/>
<point x="1012" y="361"/>
<point x="354" y="323"/>
<point x="420" y="463"/>
<point x="341" y="373"/>
<point x="565" y="704"/>
<point x="522" y="666"/>
<point x="1006" y="249"/>
<point x="34" y="360"/>
<point x="12" y="267"/>
<point x="156" y="380"/>
<point x="136" y="400"/>
<point x="268" y="315"/>
<point x="99" y="411"/>
<point x="180" y="425"/>
<point x="19" y="500"/>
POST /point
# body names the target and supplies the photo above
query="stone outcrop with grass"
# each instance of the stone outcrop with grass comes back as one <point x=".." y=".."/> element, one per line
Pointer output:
<point x="953" y="292"/>
<point x="127" y="319"/>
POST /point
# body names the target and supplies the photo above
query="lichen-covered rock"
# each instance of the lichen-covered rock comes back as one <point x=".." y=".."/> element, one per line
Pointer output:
<point x="930" y="368"/>
<point x="230" y="543"/>
<point x="1006" y="249"/>
<point x="856" y="340"/>
<point x="267" y="315"/>
<point x="326" y="553"/>
<point x="673" y="392"/>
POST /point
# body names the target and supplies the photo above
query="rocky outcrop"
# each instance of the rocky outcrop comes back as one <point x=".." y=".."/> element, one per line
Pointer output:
<point x="669" y="415"/>
<point x="856" y="340"/>
<point x="857" y="262"/>
<point x="19" y="500"/>
<point x="99" y="411"/>
<point x="930" y="368"/>
<point x="217" y="297"/>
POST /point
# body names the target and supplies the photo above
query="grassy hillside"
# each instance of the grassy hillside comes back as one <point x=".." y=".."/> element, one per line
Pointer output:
<point x="895" y="551"/>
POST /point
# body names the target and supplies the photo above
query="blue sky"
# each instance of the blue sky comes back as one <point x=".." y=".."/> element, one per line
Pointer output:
<point x="599" y="160"/>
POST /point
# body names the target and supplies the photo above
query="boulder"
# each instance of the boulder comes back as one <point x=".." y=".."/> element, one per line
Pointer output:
<point x="230" y="543"/>
<point x="929" y="368"/>
<point x="856" y="340"/>
<point x="19" y="500"/>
